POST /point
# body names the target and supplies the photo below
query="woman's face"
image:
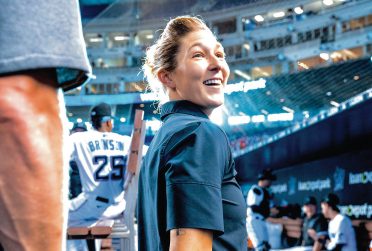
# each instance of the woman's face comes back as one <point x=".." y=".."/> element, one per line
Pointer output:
<point x="201" y="72"/>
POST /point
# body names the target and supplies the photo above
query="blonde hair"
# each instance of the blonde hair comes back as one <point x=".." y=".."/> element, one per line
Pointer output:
<point x="162" y="54"/>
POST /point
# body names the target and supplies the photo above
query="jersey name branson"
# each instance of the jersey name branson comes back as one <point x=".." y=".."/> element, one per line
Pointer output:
<point x="105" y="144"/>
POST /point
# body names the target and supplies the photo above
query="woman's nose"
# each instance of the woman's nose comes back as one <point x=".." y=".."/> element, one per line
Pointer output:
<point x="215" y="63"/>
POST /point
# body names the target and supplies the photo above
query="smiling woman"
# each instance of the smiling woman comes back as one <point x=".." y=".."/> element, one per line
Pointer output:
<point x="201" y="71"/>
<point x="188" y="196"/>
<point x="181" y="64"/>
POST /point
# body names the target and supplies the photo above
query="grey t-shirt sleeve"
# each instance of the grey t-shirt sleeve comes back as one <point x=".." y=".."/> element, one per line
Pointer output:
<point x="44" y="34"/>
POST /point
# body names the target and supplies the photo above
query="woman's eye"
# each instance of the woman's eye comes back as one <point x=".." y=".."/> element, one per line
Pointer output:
<point x="197" y="55"/>
<point x="220" y="55"/>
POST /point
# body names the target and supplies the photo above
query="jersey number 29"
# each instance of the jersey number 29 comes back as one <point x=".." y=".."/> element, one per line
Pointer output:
<point x="117" y="164"/>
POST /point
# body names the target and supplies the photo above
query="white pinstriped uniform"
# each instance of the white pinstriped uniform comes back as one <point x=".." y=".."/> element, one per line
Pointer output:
<point x="101" y="159"/>
<point x="340" y="231"/>
<point x="256" y="224"/>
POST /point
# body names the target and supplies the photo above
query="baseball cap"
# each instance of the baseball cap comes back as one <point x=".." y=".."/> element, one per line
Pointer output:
<point x="310" y="200"/>
<point x="331" y="199"/>
<point x="267" y="175"/>
<point x="102" y="111"/>
<point x="79" y="125"/>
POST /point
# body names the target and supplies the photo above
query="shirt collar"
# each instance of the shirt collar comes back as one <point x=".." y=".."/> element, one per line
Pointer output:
<point x="181" y="106"/>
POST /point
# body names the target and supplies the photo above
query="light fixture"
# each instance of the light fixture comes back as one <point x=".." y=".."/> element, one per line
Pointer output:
<point x="243" y="74"/>
<point x="96" y="39"/>
<point x="79" y="120"/>
<point x="122" y="119"/>
<point x="121" y="38"/>
<point x="303" y="65"/>
<point x="247" y="46"/>
<point x="280" y="117"/>
<point x="334" y="103"/>
<point x="335" y="55"/>
<point x="259" y="18"/>
<point x="324" y="56"/>
<point x="328" y="2"/>
<point x="258" y="118"/>
<point x="238" y="120"/>
<point x="279" y="14"/>
<point x="298" y="10"/>
<point x="149" y="36"/>
<point x="287" y="109"/>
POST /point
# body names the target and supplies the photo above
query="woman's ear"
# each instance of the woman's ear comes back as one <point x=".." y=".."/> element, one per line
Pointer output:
<point x="166" y="79"/>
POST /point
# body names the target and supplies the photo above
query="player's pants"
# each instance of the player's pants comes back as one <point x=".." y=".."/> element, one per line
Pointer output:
<point x="257" y="232"/>
<point x="84" y="208"/>
<point x="87" y="210"/>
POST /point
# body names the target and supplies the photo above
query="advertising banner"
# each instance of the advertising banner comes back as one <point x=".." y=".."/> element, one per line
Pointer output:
<point x="348" y="175"/>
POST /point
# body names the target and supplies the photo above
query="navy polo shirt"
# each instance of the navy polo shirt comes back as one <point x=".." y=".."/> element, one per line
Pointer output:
<point x="187" y="180"/>
<point x="316" y="222"/>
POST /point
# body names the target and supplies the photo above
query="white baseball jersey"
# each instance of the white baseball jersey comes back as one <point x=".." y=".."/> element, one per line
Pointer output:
<point x="340" y="231"/>
<point x="101" y="159"/>
<point x="255" y="195"/>
<point x="258" y="201"/>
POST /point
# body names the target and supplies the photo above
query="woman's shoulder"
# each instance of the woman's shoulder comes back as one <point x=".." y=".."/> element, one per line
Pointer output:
<point x="212" y="128"/>
<point x="188" y="124"/>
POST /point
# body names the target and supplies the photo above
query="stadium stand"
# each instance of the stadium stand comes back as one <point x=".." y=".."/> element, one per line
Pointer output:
<point x="300" y="88"/>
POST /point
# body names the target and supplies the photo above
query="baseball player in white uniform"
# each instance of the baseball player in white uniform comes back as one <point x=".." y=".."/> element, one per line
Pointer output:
<point x="101" y="158"/>
<point x="340" y="230"/>
<point x="258" y="201"/>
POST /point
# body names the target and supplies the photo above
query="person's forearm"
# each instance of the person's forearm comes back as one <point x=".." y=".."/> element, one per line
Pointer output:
<point x="319" y="243"/>
<point x="317" y="246"/>
<point x="31" y="177"/>
<point x="184" y="239"/>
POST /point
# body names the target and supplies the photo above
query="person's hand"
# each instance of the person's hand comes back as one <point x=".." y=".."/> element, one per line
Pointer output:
<point x="311" y="232"/>
<point x="319" y="244"/>
<point x="274" y="211"/>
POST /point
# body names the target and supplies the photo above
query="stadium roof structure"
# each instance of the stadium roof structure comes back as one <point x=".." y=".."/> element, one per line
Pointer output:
<point x="149" y="9"/>
<point x="306" y="94"/>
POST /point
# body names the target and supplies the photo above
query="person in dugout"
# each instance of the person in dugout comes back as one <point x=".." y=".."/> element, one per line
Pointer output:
<point x="340" y="229"/>
<point x="259" y="204"/>
<point x="314" y="227"/>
